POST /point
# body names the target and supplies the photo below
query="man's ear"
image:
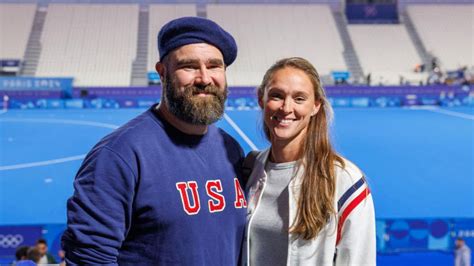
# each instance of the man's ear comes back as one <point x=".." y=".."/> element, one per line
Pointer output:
<point x="160" y="68"/>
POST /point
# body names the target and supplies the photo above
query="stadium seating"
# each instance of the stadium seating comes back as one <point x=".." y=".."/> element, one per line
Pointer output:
<point x="386" y="52"/>
<point x="97" y="43"/>
<point x="159" y="15"/>
<point x="93" y="43"/>
<point x="447" y="32"/>
<point x="266" y="33"/>
<point x="15" y="26"/>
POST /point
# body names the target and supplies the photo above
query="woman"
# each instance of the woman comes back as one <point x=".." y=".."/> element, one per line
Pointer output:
<point x="307" y="205"/>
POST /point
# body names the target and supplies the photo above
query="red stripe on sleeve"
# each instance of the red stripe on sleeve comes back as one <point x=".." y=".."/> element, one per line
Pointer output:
<point x="352" y="205"/>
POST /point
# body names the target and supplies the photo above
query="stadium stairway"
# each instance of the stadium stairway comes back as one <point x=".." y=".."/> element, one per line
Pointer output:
<point x="415" y="38"/>
<point x="350" y="56"/>
<point x="139" y="67"/>
<point x="33" y="48"/>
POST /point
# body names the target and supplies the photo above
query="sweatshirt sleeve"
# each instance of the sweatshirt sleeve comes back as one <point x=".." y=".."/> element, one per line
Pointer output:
<point x="356" y="239"/>
<point x="357" y="243"/>
<point x="99" y="212"/>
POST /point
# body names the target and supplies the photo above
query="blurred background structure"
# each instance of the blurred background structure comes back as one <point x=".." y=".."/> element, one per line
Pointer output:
<point x="400" y="75"/>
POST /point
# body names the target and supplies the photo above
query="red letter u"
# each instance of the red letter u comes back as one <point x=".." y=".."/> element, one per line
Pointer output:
<point x="182" y="187"/>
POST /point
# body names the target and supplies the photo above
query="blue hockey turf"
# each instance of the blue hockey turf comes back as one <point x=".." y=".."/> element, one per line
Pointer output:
<point x="419" y="162"/>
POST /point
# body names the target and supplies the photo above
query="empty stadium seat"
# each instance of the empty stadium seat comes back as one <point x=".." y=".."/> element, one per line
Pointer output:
<point x="159" y="16"/>
<point x="95" y="44"/>
<point x="16" y="21"/>
<point x="386" y="52"/>
<point x="266" y="33"/>
<point x="447" y="32"/>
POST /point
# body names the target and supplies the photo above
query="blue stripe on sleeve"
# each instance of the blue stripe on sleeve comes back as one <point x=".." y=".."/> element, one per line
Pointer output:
<point x="349" y="192"/>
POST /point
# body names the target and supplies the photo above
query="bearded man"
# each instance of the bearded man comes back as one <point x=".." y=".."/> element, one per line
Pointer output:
<point x="164" y="189"/>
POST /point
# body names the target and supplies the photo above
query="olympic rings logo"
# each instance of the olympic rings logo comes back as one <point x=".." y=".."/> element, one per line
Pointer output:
<point x="10" y="241"/>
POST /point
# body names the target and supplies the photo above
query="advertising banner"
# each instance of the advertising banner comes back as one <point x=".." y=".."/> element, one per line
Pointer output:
<point x="11" y="237"/>
<point x="372" y="13"/>
<point x="11" y="85"/>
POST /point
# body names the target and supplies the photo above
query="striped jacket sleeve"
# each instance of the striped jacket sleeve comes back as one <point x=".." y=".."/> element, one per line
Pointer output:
<point x="356" y="240"/>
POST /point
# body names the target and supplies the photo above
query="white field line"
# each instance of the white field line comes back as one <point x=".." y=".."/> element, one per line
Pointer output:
<point x="53" y="161"/>
<point x="61" y="121"/>
<point x="42" y="163"/>
<point x="240" y="132"/>
<point x="445" y="112"/>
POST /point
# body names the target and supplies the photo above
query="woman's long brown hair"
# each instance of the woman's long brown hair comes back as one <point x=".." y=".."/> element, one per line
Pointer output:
<point x="317" y="157"/>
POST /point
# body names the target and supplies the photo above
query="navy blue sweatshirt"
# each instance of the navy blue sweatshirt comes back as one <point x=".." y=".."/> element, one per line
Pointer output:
<point x="148" y="194"/>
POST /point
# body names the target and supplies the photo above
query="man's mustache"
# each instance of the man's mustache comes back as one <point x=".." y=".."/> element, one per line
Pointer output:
<point x="209" y="89"/>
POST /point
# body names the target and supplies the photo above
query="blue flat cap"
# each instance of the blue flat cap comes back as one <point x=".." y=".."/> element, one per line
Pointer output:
<point x="188" y="30"/>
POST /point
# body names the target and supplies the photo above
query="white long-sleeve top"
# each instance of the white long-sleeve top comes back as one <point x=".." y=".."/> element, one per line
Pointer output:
<point x="348" y="239"/>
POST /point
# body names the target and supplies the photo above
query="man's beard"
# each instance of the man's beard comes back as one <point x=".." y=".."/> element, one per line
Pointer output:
<point x="191" y="108"/>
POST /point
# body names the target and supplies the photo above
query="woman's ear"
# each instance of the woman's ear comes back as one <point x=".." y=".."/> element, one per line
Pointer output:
<point x="316" y="108"/>
<point x="260" y="102"/>
<point x="261" y="98"/>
